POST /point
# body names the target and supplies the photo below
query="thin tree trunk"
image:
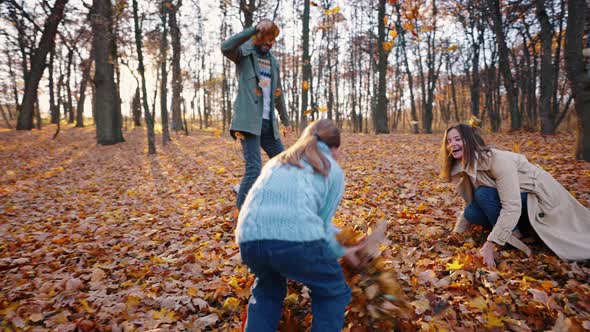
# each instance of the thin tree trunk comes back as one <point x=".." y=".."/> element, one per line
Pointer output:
<point x="380" y="110"/>
<point x="504" y="65"/>
<point x="177" y="123"/>
<point x="140" y="67"/>
<point x="164" y="71"/>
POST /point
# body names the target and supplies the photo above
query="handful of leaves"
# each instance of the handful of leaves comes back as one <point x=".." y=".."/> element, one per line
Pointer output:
<point x="377" y="297"/>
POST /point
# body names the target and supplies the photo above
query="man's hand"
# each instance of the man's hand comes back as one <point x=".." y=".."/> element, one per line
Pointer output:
<point x="263" y="26"/>
<point x="487" y="253"/>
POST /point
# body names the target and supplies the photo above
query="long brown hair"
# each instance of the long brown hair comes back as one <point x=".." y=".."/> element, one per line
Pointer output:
<point x="473" y="147"/>
<point x="306" y="146"/>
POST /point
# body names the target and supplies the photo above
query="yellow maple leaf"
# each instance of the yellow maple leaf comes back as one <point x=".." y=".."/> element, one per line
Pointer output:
<point x="516" y="148"/>
<point x="455" y="265"/>
<point x="323" y="109"/>
<point x="393" y="34"/>
<point x="493" y="321"/>
<point x="231" y="303"/>
<point x="192" y="291"/>
<point x="87" y="307"/>
<point x="478" y="302"/>
<point x="421" y="207"/>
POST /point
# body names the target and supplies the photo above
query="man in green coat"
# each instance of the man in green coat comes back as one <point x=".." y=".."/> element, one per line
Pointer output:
<point x="254" y="121"/>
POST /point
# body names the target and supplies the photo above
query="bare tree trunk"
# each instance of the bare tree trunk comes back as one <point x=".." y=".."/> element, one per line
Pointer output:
<point x="25" y="117"/>
<point x="14" y="85"/>
<point x="69" y="104"/>
<point x="306" y="70"/>
<point x="547" y="116"/>
<point x="140" y="67"/>
<point x="380" y="110"/>
<point x="177" y="123"/>
<point x="53" y="111"/>
<point x="108" y="124"/>
<point x="164" y="70"/>
<point x="87" y="64"/>
<point x="504" y="64"/>
<point x="578" y="74"/>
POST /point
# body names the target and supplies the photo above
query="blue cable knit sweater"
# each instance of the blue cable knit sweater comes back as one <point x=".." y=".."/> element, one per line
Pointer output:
<point x="293" y="204"/>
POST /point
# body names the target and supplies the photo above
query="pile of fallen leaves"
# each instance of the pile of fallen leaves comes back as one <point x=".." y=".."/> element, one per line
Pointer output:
<point x="109" y="238"/>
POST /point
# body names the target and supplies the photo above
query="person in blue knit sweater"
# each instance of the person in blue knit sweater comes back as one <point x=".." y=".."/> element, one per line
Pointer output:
<point x="285" y="231"/>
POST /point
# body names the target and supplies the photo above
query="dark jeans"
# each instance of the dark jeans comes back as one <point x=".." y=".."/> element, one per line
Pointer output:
<point x="251" y="145"/>
<point x="485" y="208"/>
<point x="311" y="263"/>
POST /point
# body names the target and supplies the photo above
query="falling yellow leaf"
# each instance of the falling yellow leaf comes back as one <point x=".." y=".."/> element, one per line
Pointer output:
<point x="408" y="26"/>
<point x="322" y="109"/>
<point x="453" y="48"/>
<point x="308" y="111"/>
<point x="305" y="85"/>
<point x="387" y="46"/>
<point x="455" y="265"/>
<point x="393" y="34"/>
<point x="217" y="133"/>
<point x="385" y="19"/>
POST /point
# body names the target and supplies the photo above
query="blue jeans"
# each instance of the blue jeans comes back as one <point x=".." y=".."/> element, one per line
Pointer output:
<point x="311" y="263"/>
<point x="251" y="145"/>
<point x="485" y="208"/>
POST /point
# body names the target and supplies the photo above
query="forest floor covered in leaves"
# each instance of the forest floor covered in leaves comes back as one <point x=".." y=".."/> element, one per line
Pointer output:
<point x="109" y="238"/>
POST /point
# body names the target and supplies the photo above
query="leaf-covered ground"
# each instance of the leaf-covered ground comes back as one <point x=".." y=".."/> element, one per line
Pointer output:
<point x="109" y="238"/>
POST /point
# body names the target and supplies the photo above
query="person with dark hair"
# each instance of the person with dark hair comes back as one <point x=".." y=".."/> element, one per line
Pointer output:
<point x="254" y="121"/>
<point x="504" y="192"/>
<point x="285" y="231"/>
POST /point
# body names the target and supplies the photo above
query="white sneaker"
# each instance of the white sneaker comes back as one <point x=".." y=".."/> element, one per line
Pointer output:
<point x="236" y="188"/>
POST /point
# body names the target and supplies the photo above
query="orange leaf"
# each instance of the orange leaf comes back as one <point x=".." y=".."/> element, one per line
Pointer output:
<point x="305" y="85"/>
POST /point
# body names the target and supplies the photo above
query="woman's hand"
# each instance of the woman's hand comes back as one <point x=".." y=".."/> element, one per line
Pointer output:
<point x="487" y="253"/>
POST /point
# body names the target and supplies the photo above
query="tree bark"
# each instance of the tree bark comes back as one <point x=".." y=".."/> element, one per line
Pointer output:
<point x="82" y="94"/>
<point x="164" y="71"/>
<point x="306" y="68"/>
<point x="140" y="67"/>
<point x="108" y="123"/>
<point x="52" y="109"/>
<point x="578" y="75"/>
<point x="504" y="64"/>
<point x="25" y="117"/>
<point x="546" y="79"/>
<point x="177" y="123"/>
<point x="380" y="110"/>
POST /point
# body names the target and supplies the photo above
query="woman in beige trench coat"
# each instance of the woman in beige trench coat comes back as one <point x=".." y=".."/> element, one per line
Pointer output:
<point x="505" y="192"/>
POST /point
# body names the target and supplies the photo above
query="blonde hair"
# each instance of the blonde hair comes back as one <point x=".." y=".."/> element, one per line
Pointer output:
<point x="306" y="146"/>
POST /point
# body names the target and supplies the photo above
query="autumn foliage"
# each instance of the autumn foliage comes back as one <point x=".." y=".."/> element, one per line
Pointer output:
<point x="109" y="238"/>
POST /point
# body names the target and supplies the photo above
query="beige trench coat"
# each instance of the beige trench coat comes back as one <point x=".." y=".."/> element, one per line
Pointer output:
<point x="558" y="218"/>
